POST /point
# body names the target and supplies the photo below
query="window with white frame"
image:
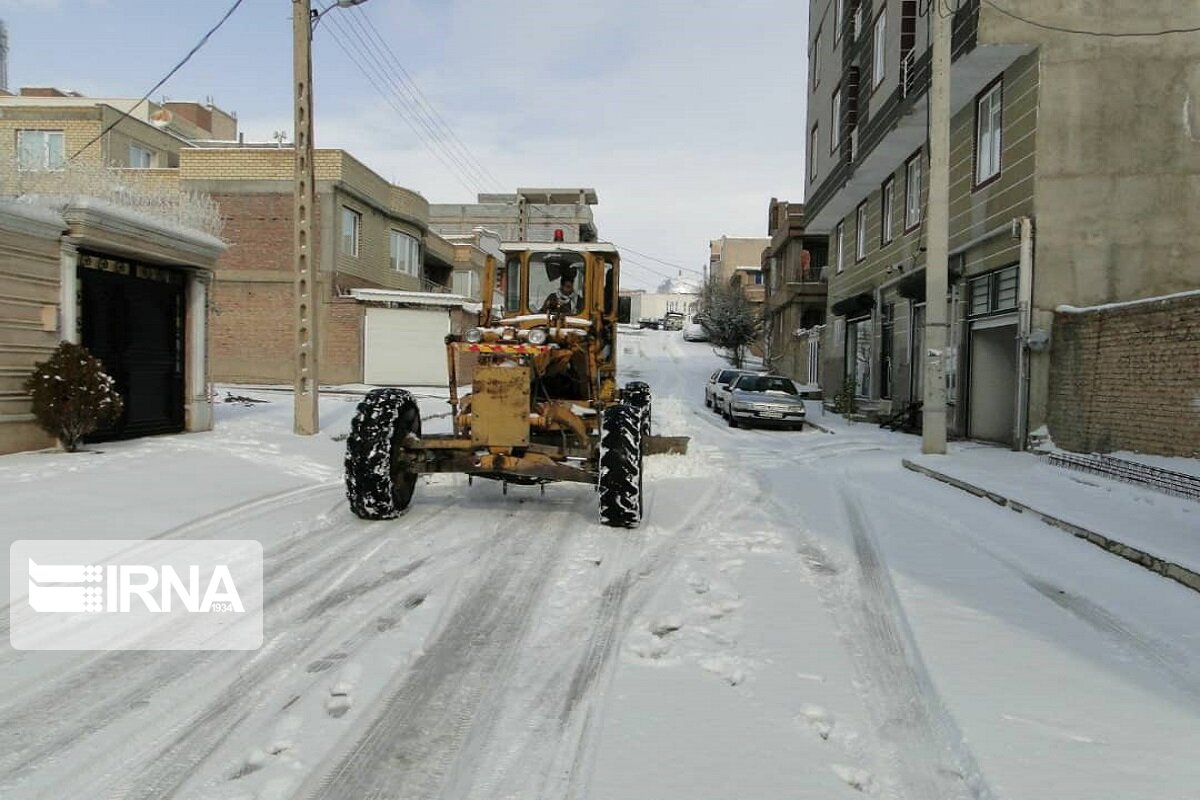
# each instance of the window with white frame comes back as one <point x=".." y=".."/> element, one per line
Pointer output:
<point x="40" y="150"/>
<point x="835" y="119"/>
<point x="839" y="245"/>
<point x="465" y="282"/>
<point x="988" y="138"/>
<point x="912" y="192"/>
<point x="887" y="209"/>
<point x="816" y="60"/>
<point x="351" y="231"/>
<point x="860" y="232"/>
<point x="879" y="46"/>
<point x="405" y="253"/>
<point x="140" y="157"/>
<point x="812" y="154"/>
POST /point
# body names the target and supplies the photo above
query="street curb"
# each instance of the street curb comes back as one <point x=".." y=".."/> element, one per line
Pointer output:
<point x="1167" y="569"/>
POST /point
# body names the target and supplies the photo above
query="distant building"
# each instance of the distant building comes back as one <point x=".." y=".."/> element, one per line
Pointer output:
<point x="739" y="260"/>
<point x="535" y="215"/>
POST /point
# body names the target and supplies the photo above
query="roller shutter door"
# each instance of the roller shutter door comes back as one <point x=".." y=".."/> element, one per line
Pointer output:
<point x="406" y="346"/>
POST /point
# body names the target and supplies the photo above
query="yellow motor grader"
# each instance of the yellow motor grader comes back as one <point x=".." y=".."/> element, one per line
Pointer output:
<point x="543" y="405"/>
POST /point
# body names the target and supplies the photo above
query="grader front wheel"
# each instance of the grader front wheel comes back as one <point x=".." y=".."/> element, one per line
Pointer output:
<point x="377" y="485"/>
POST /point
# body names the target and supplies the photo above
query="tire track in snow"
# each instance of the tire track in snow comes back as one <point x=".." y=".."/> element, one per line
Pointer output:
<point x="929" y="759"/>
<point x="411" y="747"/>
<point x="101" y="694"/>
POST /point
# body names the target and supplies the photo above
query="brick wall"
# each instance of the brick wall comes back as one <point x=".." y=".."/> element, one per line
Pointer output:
<point x="1128" y="378"/>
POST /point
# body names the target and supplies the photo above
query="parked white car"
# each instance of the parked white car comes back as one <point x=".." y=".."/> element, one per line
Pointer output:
<point x="716" y="393"/>
<point x="770" y="400"/>
<point x="695" y="333"/>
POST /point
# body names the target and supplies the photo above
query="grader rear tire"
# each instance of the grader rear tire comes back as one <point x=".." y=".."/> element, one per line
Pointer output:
<point x="620" y="478"/>
<point x="376" y="486"/>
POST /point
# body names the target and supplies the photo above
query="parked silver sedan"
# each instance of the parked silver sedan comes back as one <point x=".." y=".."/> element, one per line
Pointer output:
<point x="765" y="400"/>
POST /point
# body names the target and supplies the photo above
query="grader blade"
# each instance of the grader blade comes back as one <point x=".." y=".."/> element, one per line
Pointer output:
<point x="665" y="445"/>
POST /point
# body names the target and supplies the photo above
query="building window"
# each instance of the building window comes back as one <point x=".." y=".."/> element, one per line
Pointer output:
<point x="757" y="276"/>
<point x="880" y="49"/>
<point x="40" y="150"/>
<point x="351" y="231"/>
<point x="839" y="15"/>
<point x="994" y="293"/>
<point x="988" y="134"/>
<point x="840" y="245"/>
<point x="912" y="193"/>
<point x="887" y="206"/>
<point x="812" y="154"/>
<point x="816" y="60"/>
<point x="140" y="157"/>
<point x="835" y="119"/>
<point x="465" y="282"/>
<point x="405" y="252"/>
<point x="860" y="232"/>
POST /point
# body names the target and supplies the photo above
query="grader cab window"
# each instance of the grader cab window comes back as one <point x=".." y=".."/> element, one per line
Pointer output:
<point x="556" y="283"/>
<point x="509" y="285"/>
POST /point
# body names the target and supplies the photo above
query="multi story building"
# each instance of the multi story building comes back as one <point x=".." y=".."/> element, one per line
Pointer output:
<point x="1064" y="148"/>
<point x="529" y="215"/>
<point x="739" y="260"/>
<point x="387" y="278"/>
<point x="794" y="279"/>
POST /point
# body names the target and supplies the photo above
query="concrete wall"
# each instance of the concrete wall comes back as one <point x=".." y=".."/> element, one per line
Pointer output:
<point x="1128" y="378"/>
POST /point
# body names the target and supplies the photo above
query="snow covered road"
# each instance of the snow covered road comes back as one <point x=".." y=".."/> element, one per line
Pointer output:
<point x="798" y="617"/>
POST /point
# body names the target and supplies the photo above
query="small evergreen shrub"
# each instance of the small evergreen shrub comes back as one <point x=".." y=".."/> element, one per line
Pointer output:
<point x="72" y="395"/>
<point x="846" y="400"/>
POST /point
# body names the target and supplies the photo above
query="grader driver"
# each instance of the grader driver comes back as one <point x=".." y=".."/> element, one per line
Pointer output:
<point x="544" y="403"/>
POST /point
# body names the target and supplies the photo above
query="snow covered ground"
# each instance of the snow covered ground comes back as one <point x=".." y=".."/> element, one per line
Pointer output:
<point x="798" y="617"/>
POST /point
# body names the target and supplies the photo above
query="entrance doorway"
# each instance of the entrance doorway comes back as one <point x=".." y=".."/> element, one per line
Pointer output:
<point x="993" y="388"/>
<point x="132" y="319"/>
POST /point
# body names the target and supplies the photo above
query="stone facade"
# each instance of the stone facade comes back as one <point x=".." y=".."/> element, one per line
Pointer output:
<point x="1128" y="378"/>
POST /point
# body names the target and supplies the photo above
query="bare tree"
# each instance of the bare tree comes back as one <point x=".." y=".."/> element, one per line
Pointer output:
<point x="730" y="321"/>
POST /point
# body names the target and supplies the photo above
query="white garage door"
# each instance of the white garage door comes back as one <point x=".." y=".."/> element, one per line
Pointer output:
<point x="406" y="346"/>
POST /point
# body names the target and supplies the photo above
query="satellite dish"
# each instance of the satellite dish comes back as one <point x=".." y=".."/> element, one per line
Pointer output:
<point x="161" y="118"/>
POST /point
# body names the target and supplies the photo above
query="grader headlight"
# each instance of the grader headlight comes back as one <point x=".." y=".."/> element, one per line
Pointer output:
<point x="538" y="336"/>
<point x="474" y="335"/>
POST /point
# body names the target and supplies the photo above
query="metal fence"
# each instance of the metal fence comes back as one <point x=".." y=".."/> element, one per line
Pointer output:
<point x="1179" y="484"/>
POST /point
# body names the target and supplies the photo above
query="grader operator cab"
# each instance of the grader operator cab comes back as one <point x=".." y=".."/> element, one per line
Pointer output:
<point x="544" y="403"/>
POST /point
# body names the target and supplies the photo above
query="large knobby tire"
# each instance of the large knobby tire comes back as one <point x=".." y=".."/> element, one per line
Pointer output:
<point x="375" y="487"/>
<point x="620" y="477"/>
<point x="637" y="394"/>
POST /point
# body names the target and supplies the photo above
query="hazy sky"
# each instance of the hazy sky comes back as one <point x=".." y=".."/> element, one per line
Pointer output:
<point x="686" y="117"/>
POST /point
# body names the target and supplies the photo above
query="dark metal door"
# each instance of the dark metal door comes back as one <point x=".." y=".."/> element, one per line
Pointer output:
<point x="132" y="320"/>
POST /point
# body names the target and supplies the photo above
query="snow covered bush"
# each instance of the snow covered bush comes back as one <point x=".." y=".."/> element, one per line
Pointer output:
<point x="730" y="321"/>
<point x="72" y="395"/>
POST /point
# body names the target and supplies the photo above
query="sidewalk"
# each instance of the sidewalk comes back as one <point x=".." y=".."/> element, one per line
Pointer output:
<point x="1152" y="529"/>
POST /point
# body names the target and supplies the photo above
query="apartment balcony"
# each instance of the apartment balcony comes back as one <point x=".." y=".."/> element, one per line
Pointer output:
<point x="809" y="288"/>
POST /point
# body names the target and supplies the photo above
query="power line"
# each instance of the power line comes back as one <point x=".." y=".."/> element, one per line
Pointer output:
<point x="391" y="101"/>
<point x="370" y="50"/>
<point x="429" y="137"/>
<point x="422" y="101"/>
<point x="125" y="114"/>
<point x="1082" y="32"/>
<point x="661" y="260"/>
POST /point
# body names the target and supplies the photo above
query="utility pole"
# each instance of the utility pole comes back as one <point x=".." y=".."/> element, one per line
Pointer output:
<point x="937" y="252"/>
<point x="308" y="343"/>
